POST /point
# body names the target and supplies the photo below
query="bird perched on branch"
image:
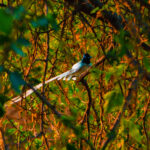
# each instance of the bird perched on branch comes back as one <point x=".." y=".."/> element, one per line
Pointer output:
<point x="76" y="70"/>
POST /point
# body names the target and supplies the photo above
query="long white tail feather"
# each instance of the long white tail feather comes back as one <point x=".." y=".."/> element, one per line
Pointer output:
<point x="76" y="70"/>
<point x="30" y="91"/>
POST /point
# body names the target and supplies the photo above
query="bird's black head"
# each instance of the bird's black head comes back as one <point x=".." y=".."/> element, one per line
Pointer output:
<point x="86" y="58"/>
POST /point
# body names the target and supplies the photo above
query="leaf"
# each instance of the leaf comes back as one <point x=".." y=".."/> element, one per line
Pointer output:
<point x="16" y="81"/>
<point x="71" y="91"/>
<point x="94" y="10"/>
<point x="113" y="99"/>
<point x="108" y="76"/>
<point x="146" y="62"/>
<point x="38" y="143"/>
<point x="97" y="72"/>
<point x="11" y="131"/>
<point x="17" y="49"/>
<point x="4" y="39"/>
<point x="121" y="38"/>
<point x="52" y="20"/>
<point x="40" y="22"/>
<point x="3" y="99"/>
<point x="112" y="55"/>
<point x="70" y="146"/>
<point x="1" y="68"/>
<point x="2" y="110"/>
<point x="76" y="100"/>
<point x="22" y="41"/>
<point x="116" y="71"/>
<point x="119" y="69"/>
<point x="27" y="3"/>
<point x="6" y="22"/>
<point x="134" y="130"/>
<point x="18" y="12"/>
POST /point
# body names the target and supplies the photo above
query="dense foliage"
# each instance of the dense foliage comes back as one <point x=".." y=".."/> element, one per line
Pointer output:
<point x="107" y="107"/>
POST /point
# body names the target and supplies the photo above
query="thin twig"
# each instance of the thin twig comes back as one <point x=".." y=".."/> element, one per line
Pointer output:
<point x="87" y="113"/>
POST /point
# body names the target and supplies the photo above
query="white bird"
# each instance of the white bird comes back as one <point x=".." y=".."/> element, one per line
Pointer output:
<point x="76" y="70"/>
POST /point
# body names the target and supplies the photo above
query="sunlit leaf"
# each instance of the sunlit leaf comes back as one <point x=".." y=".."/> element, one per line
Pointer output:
<point x="113" y="99"/>
<point x="27" y="3"/>
<point x="108" y="76"/>
<point x="133" y="130"/>
<point x="116" y="71"/>
<point x="94" y="10"/>
<point x="146" y="62"/>
<point x="119" y="69"/>
<point x="16" y="81"/>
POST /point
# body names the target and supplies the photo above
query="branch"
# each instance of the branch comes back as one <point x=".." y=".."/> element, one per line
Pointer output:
<point x="45" y="101"/>
<point x="132" y="87"/>
<point x="106" y="16"/>
<point x="87" y="113"/>
<point x="4" y="141"/>
<point x="144" y="124"/>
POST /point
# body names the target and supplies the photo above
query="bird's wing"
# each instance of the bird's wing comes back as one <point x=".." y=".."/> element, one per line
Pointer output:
<point x="77" y="65"/>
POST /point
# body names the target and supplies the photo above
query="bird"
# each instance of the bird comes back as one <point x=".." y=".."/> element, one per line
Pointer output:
<point x="76" y="70"/>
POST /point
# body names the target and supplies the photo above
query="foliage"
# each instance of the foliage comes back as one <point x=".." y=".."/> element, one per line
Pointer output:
<point x="109" y="108"/>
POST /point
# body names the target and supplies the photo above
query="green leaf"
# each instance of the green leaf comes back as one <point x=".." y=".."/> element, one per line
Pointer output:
<point x="71" y="91"/>
<point x="6" y="22"/>
<point x="22" y="41"/>
<point x="38" y="143"/>
<point x="2" y="110"/>
<point x="116" y="71"/>
<point x="94" y="10"/>
<point x="76" y="100"/>
<point x="113" y="99"/>
<point x="18" y="12"/>
<point x="112" y="134"/>
<point x="52" y="20"/>
<point x="17" y="49"/>
<point x="1" y="68"/>
<point x="119" y="69"/>
<point x="97" y="72"/>
<point x="40" y="22"/>
<point x="70" y="146"/>
<point x="11" y="131"/>
<point x="16" y="81"/>
<point x="146" y="62"/>
<point x="108" y="76"/>
<point x="4" y="39"/>
<point x="3" y="99"/>
<point x="134" y="131"/>
<point x="27" y="3"/>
